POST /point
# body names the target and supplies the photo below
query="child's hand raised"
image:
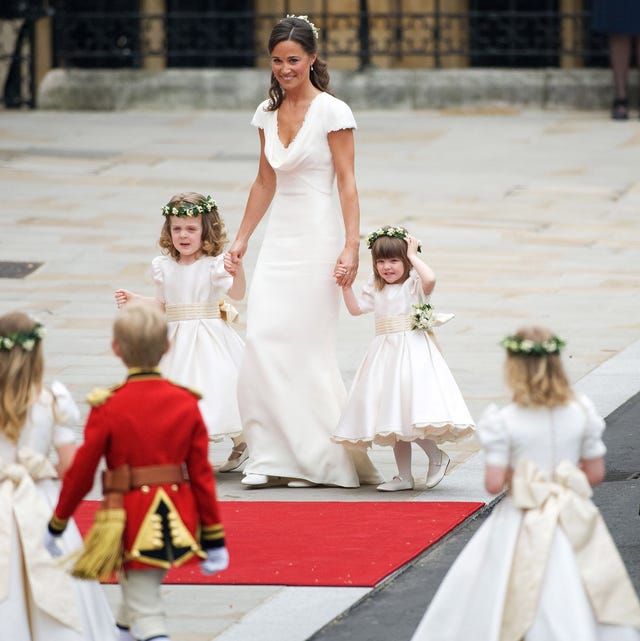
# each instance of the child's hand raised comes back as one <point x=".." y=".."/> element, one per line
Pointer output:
<point x="123" y="296"/>
<point x="412" y="245"/>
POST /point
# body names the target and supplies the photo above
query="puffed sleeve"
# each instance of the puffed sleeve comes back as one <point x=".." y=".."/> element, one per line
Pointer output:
<point x="338" y="115"/>
<point x="221" y="279"/>
<point x="260" y="116"/>
<point x="66" y="413"/>
<point x="592" y="443"/>
<point x="414" y="283"/>
<point x="494" y="437"/>
<point x="366" y="300"/>
<point x="158" y="276"/>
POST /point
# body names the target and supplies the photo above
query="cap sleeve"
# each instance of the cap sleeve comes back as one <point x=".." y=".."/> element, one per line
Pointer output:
<point x="494" y="437"/>
<point x="366" y="300"/>
<point x="338" y="115"/>
<point x="260" y="116"/>
<point x="221" y="279"/>
<point x="592" y="444"/>
<point x="66" y="413"/>
<point x="157" y="274"/>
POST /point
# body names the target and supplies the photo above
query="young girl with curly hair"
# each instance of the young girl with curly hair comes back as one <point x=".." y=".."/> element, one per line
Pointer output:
<point x="192" y="277"/>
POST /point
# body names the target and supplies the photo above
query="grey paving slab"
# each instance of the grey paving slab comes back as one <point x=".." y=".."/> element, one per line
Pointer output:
<point x="526" y="216"/>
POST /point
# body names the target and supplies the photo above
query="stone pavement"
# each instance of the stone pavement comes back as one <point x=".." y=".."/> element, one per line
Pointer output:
<point x="526" y="216"/>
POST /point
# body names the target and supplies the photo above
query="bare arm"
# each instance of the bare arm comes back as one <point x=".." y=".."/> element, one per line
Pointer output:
<point x="427" y="275"/>
<point x="593" y="469"/>
<point x="342" y="150"/>
<point x="236" y="269"/>
<point x="260" y="197"/>
<point x="124" y="296"/>
<point x="65" y="453"/>
<point x="351" y="301"/>
<point x="495" y="478"/>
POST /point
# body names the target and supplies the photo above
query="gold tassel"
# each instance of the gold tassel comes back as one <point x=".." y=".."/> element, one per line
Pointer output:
<point x="103" y="549"/>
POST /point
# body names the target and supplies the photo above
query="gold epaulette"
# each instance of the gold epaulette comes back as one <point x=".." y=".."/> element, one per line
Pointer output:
<point x="193" y="390"/>
<point x="100" y="395"/>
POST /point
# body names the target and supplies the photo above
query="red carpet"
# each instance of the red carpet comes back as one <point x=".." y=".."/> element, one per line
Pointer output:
<point x="319" y="543"/>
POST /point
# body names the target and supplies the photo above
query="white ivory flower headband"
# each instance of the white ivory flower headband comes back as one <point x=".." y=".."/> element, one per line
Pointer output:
<point x="389" y="232"/>
<point x="306" y="19"/>
<point x="26" y="340"/>
<point x="527" y="347"/>
<point x="189" y="211"/>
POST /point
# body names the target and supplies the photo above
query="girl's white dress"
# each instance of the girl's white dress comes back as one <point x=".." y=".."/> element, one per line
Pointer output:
<point x="543" y="562"/>
<point x="205" y="353"/>
<point x="403" y="389"/>
<point x="290" y="389"/>
<point x="39" y="601"/>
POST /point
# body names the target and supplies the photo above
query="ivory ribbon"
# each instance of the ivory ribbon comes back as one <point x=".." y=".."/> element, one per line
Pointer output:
<point x="197" y="311"/>
<point x="392" y="324"/>
<point x="52" y="588"/>
<point x="563" y="501"/>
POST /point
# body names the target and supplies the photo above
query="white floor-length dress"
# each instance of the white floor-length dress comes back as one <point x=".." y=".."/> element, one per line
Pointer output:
<point x="38" y="600"/>
<point x="205" y="353"/>
<point x="538" y="551"/>
<point x="290" y="390"/>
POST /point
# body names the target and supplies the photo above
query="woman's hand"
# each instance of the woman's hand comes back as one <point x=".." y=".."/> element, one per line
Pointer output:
<point x="346" y="268"/>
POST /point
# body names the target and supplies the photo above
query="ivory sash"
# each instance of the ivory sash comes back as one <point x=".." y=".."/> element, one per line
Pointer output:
<point x="196" y="311"/>
<point x="392" y="324"/>
<point x="51" y="586"/>
<point x="565" y="502"/>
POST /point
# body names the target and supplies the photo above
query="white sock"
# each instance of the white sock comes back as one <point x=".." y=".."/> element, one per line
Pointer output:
<point x="430" y="449"/>
<point x="402" y="454"/>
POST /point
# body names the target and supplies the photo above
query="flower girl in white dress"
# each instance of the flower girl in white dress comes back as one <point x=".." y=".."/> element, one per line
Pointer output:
<point x="543" y="566"/>
<point x="191" y="280"/>
<point x="39" y="601"/>
<point x="403" y="391"/>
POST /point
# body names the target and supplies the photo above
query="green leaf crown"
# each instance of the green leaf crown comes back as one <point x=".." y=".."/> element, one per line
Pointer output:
<point x="26" y="340"/>
<point x="527" y="347"/>
<point x="389" y="232"/>
<point x="188" y="210"/>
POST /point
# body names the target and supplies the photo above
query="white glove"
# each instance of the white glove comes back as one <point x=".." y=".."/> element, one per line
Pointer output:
<point x="216" y="561"/>
<point x="51" y="543"/>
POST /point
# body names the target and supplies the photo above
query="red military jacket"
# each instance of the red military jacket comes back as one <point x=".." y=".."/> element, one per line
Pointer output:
<point x="150" y="421"/>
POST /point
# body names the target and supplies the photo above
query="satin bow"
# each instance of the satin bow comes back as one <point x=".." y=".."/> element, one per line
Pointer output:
<point x="227" y="311"/>
<point x="563" y="501"/>
<point x="20" y="500"/>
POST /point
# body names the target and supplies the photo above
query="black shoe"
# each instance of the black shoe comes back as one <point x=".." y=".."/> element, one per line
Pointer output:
<point x="620" y="109"/>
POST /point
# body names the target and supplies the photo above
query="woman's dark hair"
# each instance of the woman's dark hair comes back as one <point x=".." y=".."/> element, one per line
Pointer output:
<point x="299" y="31"/>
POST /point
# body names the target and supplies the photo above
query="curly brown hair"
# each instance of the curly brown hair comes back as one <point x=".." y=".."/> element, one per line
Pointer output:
<point x="214" y="233"/>
<point x="537" y="380"/>
<point x="388" y="247"/>
<point x="21" y="374"/>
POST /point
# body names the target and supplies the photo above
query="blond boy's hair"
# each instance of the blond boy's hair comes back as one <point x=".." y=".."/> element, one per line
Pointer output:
<point x="21" y="374"/>
<point x="537" y="380"/>
<point x="140" y="332"/>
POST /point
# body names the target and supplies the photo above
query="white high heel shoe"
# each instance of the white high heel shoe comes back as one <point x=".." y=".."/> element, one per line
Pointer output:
<point x="255" y="480"/>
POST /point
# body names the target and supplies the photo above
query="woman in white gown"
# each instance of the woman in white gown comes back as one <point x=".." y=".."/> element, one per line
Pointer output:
<point x="543" y="566"/>
<point x="290" y="391"/>
<point x="38" y="600"/>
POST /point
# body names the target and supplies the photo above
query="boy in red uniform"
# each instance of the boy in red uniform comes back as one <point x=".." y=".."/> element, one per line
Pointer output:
<point x="159" y="491"/>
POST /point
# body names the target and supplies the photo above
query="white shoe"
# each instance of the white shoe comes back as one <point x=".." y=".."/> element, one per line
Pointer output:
<point x="437" y="470"/>
<point x="239" y="454"/>
<point x="397" y="484"/>
<point x="301" y="483"/>
<point x="255" y="480"/>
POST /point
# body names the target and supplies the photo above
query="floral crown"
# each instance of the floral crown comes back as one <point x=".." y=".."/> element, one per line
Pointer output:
<point x="389" y="232"/>
<point x="306" y="19"/>
<point x="188" y="210"/>
<point x="26" y="340"/>
<point x="527" y="347"/>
